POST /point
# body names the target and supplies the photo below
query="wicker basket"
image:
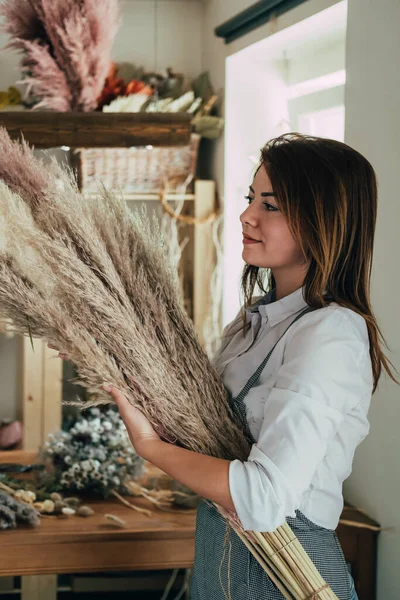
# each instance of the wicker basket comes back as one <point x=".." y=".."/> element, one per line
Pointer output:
<point x="137" y="169"/>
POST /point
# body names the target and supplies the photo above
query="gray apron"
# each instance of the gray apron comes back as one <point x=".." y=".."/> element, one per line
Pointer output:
<point x="223" y="566"/>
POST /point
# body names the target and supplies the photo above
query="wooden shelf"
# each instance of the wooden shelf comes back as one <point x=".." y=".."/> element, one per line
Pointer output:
<point x="97" y="129"/>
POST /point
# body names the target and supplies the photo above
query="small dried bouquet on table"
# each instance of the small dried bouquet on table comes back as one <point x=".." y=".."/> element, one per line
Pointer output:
<point x="93" y="456"/>
<point x="93" y="279"/>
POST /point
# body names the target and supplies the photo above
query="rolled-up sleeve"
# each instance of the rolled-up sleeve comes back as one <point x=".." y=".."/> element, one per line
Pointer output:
<point x="321" y="379"/>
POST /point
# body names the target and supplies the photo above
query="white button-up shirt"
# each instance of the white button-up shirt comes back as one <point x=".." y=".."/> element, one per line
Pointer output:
<point x="307" y="412"/>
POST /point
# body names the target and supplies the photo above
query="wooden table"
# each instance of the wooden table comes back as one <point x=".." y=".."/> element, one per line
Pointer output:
<point x="360" y="546"/>
<point x="83" y="544"/>
<point x="164" y="541"/>
<point x="94" y="544"/>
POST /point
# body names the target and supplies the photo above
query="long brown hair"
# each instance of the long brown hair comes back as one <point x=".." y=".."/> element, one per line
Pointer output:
<point x="328" y="193"/>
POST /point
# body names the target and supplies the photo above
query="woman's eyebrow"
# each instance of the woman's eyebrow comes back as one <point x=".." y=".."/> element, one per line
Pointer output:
<point x="263" y="194"/>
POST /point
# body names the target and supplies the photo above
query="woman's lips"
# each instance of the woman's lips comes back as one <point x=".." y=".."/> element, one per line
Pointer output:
<point x="247" y="241"/>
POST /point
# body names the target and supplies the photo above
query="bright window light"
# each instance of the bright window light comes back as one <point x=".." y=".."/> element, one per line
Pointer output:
<point x="328" y="123"/>
<point x="303" y="88"/>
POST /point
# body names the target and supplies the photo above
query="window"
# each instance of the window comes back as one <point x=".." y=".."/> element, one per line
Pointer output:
<point x="328" y="123"/>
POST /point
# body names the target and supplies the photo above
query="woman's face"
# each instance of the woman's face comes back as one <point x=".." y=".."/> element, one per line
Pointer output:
<point x="262" y="220"/>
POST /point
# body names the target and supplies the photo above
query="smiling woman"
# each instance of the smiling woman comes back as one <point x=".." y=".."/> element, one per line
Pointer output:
<point x="267" y="239"/>
<point x="301" y="383"/>
<point x="267" y="433"/>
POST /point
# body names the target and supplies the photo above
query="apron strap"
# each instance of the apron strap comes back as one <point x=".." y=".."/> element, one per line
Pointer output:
<point x="237" y="405"/>
<point x="257" y="373"/>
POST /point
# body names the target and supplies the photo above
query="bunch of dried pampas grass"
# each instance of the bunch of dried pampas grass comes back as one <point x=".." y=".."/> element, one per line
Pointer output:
<point x="91" y="277"/>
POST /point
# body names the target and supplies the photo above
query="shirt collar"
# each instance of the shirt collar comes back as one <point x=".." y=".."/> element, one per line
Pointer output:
<point x="273" y="312"/>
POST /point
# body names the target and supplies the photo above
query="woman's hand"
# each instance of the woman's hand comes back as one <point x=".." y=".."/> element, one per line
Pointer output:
<point x="60" y="354"/>
<point x="205" y="475"/>
<point x="140" y="431"/>
<point x="139" y="428"/>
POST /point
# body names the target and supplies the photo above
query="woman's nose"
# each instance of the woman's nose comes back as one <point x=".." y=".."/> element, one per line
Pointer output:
<point x="249" y="215"/>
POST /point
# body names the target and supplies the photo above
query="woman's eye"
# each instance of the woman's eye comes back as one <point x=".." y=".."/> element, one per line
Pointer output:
<point x="270" y="207"/>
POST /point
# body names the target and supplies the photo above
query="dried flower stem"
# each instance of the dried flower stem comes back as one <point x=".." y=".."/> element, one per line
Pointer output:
<point x="145" y="511"/>
<point x="94" y="280"/>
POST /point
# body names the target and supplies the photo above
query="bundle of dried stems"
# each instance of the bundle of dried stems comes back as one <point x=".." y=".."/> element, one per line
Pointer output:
<point x="94" y="279"/>
<point x="66" y="48"/>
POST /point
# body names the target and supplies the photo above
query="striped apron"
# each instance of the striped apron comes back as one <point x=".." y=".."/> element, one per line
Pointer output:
<point x="225" y="569"/>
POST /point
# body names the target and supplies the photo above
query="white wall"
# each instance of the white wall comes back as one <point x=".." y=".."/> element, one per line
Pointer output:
<point x="168" y="33"/>
<point x="309" y="65"/>
<point x="256" y="111"/>
<point x="373" y="127"/>
<point x="313" y="65"/>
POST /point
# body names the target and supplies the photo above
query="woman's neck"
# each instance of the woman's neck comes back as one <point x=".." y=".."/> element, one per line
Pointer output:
<point x="286" y="284"/>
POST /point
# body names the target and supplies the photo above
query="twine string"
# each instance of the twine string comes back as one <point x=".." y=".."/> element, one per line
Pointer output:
<point x="210" y="218"/>
<point x="315" y="595"/>
<point x="283" y="547"/>
<point x="227" y="542"/>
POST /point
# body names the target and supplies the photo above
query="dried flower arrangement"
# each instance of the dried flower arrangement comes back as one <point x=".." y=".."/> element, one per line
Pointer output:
<point x="93" y="456"/>
<point x="66" y="64"/>
<point x="26" y="505"/>
<point x="10" y="99"/>
<point x="131" y="89"/>
<point x="93" y="279"/>
<point x="13" y="511"/>
<point x="66" y="49"/>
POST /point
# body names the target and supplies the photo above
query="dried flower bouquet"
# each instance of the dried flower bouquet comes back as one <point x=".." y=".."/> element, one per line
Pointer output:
<point x="93" y="278"/>
<point x="66" y="49"/>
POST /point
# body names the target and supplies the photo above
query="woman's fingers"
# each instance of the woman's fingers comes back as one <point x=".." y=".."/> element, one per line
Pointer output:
<point x="62" y="355"/>
<point x="118" y="396"/>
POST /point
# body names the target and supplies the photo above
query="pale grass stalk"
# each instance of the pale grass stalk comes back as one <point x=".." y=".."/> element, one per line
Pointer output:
<point x="364" y="525"/>
<point x="288" y="555"/>
<point x="267" y="568"/>
<point x="278" y="561"/>
<point x="302" y="560"/>
<point x="264" y="550"/>
<point x="94" y="280"/>
<point x="76" y="287"/>
<point x="307" y="564"/>
<point x="145" y="511"/>
<point x="299" y="566"/>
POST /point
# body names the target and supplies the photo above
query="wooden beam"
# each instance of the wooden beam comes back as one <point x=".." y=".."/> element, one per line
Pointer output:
<point x="39" y="587"/>
<point x="204" y="259"/>
<point x="52" y="392"/>
<point x="97" y="129"/>
<point x="41" y="392"/>
<point x="32" y="392"/>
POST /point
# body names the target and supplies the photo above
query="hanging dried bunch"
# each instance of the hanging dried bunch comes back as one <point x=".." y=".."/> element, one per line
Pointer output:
<point x="93" y="278"/>
<point x="66" y="48"/>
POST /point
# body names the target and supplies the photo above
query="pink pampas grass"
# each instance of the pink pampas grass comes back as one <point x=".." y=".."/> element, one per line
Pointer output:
<point x="66" y="48"/>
